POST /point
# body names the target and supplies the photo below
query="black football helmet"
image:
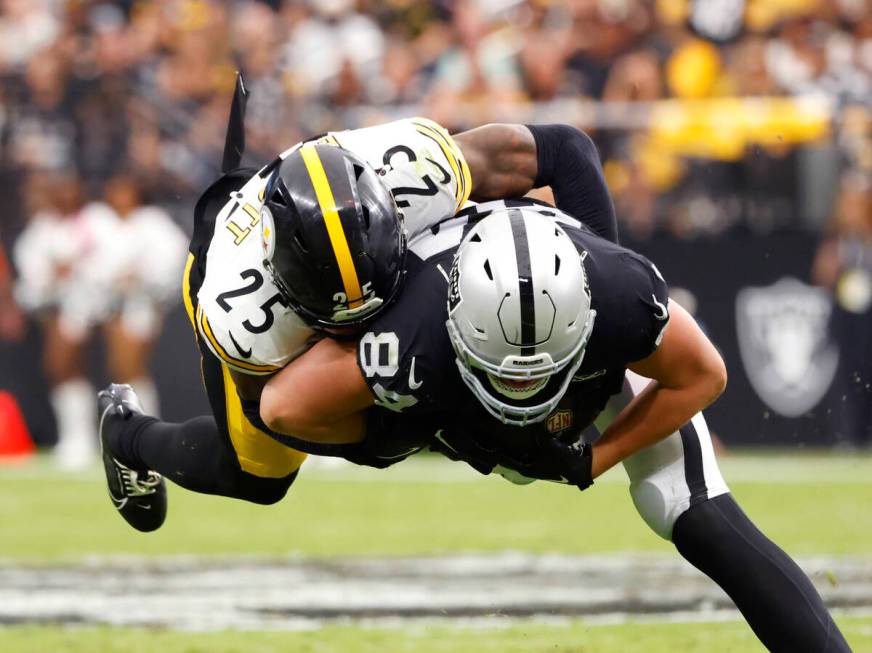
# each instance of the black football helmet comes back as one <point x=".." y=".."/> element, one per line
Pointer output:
<point x="333" y="236"/>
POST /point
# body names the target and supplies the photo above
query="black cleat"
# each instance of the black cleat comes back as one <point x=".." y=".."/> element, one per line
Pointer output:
<point x="139" y="495"/>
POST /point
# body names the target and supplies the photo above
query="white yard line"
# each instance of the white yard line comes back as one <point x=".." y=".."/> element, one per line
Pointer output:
<point x="191" y="594"/>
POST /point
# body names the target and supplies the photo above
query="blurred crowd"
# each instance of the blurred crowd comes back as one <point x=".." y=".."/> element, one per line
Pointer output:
<point x="91" y="86"/>
<point x="712" y="116"/>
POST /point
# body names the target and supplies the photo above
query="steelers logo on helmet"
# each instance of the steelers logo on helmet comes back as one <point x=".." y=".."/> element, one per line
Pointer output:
<point x="268" y="232"/>
<point x="339" y="244"/>
<point x="521" y="330"/>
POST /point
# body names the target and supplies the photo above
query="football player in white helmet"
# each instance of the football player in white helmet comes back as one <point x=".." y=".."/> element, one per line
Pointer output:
<point x="553" y="347"/>
<point x="558" y="336"/>
<point x="521" y="334"/>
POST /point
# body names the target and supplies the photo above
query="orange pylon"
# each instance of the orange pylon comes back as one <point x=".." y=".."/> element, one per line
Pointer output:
<point x="15" y="439"/>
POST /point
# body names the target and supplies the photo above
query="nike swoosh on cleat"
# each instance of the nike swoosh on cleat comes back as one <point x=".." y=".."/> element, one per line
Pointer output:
<point x="144" y="507"/>
<point x="442" y="440"/>
<point x="103" y="419"/>
<point x="400" y="455"/>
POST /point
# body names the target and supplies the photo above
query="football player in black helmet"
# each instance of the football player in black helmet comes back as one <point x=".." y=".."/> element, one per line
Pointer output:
<point x="338" y="247"/>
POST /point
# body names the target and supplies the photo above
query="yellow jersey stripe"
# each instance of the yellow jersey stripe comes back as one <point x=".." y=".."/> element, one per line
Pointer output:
<point x="449" y="156"/>
<point x="335" y="231"/>
<point x="186" y="291"/>
<point x="206" y="330"/>
<point x="452" y="153"/>
<point x="258" y="454"/>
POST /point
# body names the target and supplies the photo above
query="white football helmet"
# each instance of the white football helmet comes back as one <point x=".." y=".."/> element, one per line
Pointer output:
<point x="519" y="314"/>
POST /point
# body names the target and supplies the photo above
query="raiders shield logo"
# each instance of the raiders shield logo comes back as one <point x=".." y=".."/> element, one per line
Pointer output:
<point x="559" y="420"/>
<point x="784" y="345"/>
<point x="454" y="297"/>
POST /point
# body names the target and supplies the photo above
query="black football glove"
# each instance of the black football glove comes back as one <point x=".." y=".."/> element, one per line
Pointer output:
<point x="550" y="459"/>
<point x="546" y="458"/>
<point x="571" y="461"/>
<point x="463" y="448"/>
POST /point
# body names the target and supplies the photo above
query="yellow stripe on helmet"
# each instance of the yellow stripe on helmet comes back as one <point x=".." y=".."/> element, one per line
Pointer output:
<point x="318" y="175"/>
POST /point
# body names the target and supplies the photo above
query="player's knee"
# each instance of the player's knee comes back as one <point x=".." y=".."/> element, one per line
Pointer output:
<point x="268" y="496"/>
<point x="265" y="491"/>
<point x="659" y="508"/>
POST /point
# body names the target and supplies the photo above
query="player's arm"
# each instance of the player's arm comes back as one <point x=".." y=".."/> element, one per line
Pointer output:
<point x="687" y="375"/>
<point x="323" y="395"/>
<point x="507" y="160"/>
<point x="320" y="397"/>
<point x="501" y="159"/>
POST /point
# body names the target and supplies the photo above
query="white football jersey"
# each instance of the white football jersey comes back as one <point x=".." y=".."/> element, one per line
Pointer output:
<point x="241" y="314"/>
<point x="142" y="253"/>
<point x="54" y="253"/>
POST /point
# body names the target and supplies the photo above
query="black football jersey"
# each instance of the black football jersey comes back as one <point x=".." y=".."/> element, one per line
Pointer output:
<point x="409" y="363"/>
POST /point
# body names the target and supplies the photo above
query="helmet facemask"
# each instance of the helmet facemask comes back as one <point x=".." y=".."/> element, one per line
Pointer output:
<point x="517" y="359"/>
<point x="478" y="374"/>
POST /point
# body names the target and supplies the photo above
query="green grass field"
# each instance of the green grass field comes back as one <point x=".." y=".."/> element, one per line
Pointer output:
<point x="426" y="507"/>
<point x="808" y="504"/>
<point x="572" y="637"/>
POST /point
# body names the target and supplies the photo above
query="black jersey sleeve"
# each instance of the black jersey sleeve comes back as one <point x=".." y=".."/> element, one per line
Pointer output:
<point x="405" y="354"/>
<point x="654" y="305"/>
<point x="633" y="301"/>
<point x="569" y="163"/>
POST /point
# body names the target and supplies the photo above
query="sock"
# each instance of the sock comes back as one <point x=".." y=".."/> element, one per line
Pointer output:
<point x="775" y="596"/>
<point x="192" y="454"/>
<point x="74" y="404"/>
